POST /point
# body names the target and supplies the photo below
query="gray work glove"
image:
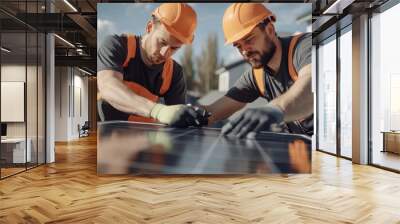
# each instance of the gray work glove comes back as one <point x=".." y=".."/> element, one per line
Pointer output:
<point x="254" y="120"/>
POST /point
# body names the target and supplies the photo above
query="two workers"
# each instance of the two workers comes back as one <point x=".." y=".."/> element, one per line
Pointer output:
<point x="134" y="72"/>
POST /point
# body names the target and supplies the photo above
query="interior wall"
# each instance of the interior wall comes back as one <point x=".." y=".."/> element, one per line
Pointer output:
<point x="80" y="109"/>
<point x="71" y="102"/>
<point x="61" y="103"/>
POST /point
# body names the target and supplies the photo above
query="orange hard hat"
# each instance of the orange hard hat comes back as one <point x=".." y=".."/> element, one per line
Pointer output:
<point x="179" y="19"/>
<point x="241" y="18"/>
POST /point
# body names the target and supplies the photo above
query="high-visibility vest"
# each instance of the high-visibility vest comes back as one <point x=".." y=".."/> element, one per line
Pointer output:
<point x="167" y="74"/>
<point x="259" y="73"/>
<point x="259" y="78"/>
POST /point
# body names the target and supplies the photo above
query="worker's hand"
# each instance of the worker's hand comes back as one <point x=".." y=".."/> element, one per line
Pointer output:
<point x="254" y="120"/>
<point x="175" y="115"/>
<point x="202" y="116"/>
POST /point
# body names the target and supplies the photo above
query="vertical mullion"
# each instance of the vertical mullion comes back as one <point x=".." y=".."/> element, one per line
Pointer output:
<point x="37" y="89"/>
<point x="317" y="96"/>
<point x="73" y="92"/>
<point x="45" y="86"/>
<point x="69" y="92"/>
<point x="26" y="85"/>
<point x="60" y="88"/>
<point x="338" y="96"/>
<point x="369" y="100"/>
<point x="45" y="94"/>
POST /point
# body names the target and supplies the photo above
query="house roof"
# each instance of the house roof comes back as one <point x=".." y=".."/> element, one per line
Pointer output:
<point x="229" y="66"/>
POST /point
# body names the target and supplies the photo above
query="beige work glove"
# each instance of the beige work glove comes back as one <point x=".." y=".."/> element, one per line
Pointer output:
<point x="175" y="115"/>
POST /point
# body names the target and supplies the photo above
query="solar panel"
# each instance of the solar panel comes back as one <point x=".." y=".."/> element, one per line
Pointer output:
<point x="139" y="148"/>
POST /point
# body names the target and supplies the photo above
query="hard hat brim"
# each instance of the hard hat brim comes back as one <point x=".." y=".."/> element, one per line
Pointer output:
<point x="240" y="34"/>
<point x="177" y="35"/>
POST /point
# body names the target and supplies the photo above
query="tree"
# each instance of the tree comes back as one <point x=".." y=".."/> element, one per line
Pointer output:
<point x="207" y="63"/>
<point x="188" y="68"/>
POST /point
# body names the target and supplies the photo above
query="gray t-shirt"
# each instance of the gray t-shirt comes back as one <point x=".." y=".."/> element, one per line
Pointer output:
<point x="112" y="54"/>
<point x="246" y="90"/>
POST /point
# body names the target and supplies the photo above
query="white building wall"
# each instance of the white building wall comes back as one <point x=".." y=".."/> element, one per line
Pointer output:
<point x="227" y="79"/>
<point x="223" y="81"/>
<point x="71" y="102"/>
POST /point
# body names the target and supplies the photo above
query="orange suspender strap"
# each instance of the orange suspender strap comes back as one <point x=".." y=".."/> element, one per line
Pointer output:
<point x="292" y="70"/>
<point x="260" y="81"/>
<point x="137" y="118"/>
<point x="259" y="73"/>
<point x="167" y="74"/>
<point x="138" y="89"/>
<point x="141" y="91"/>
<point x="167" y="70"/>
<point x="131" y="45"/>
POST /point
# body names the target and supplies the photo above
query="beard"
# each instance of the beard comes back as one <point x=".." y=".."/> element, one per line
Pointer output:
<point x="264" y="56"/>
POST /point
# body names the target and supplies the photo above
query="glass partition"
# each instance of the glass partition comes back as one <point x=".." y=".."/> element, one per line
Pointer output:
<point x="327" y="95"/>
<point x="14" y="153"/>
<point x="22" y="90"/>
<point x="385" y="89"/>
<point x="346" y="92"/>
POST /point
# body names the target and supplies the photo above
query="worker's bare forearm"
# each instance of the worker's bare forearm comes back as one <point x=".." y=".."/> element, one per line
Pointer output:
<point x="298" y="102"/>
<point x="222" y="109"/>
<point x="115" y="92"/>
<point x="216" y="114"/>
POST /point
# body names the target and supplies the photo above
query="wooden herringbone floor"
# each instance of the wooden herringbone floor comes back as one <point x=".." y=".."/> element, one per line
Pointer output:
<point x="69" y="191"/>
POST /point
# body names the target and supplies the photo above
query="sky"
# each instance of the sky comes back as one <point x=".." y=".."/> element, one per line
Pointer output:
<point x="118" y="18"/>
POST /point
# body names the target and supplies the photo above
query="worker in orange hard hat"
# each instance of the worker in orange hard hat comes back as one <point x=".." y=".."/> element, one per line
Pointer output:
<point x="134" y="72"/>
<point x="280" y="73"/>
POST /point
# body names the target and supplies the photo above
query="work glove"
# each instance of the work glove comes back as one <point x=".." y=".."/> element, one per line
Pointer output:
<point x="254" y="120"/>
<point x="202" y="116"/>
<point x="175" y="115"/>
